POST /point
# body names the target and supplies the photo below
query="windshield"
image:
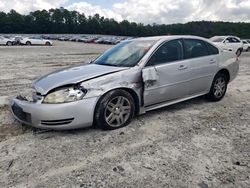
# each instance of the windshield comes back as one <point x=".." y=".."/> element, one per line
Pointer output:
<point x="217" y="39"/>
<point x="125" y="54"/>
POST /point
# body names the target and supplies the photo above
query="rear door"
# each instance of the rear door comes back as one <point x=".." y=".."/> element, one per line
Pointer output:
<point x="166" y="75"/>
<point x="233" y="44"/>
<point x="203" y="59"/>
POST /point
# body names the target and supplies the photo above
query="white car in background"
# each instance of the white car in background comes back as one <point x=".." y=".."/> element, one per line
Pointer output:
<point x="6" y="41"/>
<point x="35" y="41"/>
<point x="230" y="43"/>
<point x="246" y="45"/>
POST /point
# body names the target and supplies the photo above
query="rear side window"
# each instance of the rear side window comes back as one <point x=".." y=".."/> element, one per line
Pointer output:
<point x="168" y="52"/>
<point x="233" y="40"/>
<point x="212" y="49"/>
<point x="195" y="48"/>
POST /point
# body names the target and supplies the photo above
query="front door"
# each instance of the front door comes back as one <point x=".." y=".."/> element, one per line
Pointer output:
<point x="166" y="75"/>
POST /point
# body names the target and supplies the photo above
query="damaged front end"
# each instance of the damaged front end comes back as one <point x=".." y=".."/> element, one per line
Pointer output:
<point x="72" y="106"/>
<point x="51" y="111"/>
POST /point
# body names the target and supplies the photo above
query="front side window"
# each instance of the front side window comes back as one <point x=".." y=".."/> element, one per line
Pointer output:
<point x="168" y="52"/>
<point x="125" y="54"/>
<point x="195" y="48"/>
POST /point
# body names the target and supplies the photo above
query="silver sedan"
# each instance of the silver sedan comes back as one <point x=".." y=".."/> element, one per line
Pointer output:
<point x="131" y="78"/>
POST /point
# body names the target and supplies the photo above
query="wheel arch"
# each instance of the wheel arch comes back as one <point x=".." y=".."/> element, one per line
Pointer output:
<point x="129" y="90"/>
<point x="225" y="72"/>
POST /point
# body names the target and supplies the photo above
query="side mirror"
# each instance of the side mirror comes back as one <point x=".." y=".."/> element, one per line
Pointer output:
<point x="226" y="41"/>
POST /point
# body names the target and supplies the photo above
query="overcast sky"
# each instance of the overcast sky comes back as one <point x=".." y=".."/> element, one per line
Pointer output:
<point x="145" y="11"/>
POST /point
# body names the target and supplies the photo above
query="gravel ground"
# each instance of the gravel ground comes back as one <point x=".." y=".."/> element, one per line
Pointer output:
<point x="192" y="144"/>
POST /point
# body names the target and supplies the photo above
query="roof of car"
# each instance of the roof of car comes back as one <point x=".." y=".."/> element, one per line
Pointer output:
<point x="170" y="37"/>
<point x="225" y="36"/>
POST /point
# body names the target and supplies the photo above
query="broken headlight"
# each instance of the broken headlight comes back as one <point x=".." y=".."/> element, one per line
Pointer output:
<point x="64" y="95"/>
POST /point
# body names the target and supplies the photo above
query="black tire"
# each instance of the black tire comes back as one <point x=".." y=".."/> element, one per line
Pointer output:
<point x="28" y="43"/>
<point x="103" y="112"/>
<point x="214" y="94"/>
<point x="248" y="49"/>
<point x="47" y="44"/>
<point x="9" y="43"/>
<point x="238" y="52"/>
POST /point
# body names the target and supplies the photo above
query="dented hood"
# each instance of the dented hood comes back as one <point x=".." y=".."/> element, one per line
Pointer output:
<point x="72" y="76"/>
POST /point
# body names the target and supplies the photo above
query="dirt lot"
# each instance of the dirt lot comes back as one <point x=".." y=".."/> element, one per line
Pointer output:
<point x="192" y="144"/>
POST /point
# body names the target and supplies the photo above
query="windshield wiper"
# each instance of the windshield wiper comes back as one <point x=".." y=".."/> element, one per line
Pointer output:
<point x="108" y="64"/>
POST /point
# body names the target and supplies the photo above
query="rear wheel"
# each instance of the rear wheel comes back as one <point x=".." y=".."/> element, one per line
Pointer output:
<point x="218" y="88"/>
<point x="248" y="49"/>
<point x="47" y="44"/>
<point x="115" y="110"/>
<point x="9" y="43"/>
<point x="28" y="43"/>
<point x="238" y="52"/>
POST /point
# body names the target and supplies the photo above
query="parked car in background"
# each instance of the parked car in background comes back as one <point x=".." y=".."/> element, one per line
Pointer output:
<point x="75" y="38"/>
<point x="81" y="39"/>
<point x="6" y="41"/>
<point x="131" y="78"/>
<point x="118" y="40"/>
<point x="17" y="40"/>
<point x="246" y="45"/>
<point x="35" y="41"/>
<point x="90" y="39"/>
<point x="63" y="38"/>
<point x="230" y="43"/>
<point x="102" y="40"/>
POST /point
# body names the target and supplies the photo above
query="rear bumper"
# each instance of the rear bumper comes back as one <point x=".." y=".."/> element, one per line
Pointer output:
<point x="64" y="116"/>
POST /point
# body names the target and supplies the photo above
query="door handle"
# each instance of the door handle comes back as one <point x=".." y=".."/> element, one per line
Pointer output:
<point x="212" y="61"/>
<point x="182" y="67"/>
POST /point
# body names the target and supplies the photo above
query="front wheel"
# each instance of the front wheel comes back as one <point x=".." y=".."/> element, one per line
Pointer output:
<point x="218" y="88"/>
<point x="115" y="110"/>
<point x="28" y="43"/>
<point x="47" y="44"/>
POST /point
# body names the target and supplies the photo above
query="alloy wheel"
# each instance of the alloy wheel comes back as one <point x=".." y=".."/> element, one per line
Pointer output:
<point x="117" y="111"/>
<point x="219" y="87"/>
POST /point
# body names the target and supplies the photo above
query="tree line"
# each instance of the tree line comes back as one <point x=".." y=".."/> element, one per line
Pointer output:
<point x="63" y="21"/>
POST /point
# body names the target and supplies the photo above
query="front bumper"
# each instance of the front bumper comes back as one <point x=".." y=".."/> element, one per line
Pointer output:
<point x="64" y="116"/>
